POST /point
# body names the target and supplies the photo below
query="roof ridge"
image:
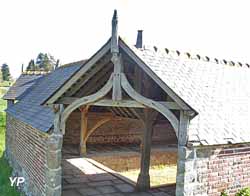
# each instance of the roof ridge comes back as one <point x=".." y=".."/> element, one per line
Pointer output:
<point x="35" y="72"/>
<point x="189" y="56"/>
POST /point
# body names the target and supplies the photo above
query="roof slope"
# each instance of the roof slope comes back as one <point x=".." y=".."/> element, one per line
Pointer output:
<point x="29" y="108"/>
<point x="218" y="92"/>
<point x="22" y="86"/>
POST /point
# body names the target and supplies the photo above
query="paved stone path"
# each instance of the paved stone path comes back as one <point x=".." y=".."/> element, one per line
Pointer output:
<point x="82" y="178"/>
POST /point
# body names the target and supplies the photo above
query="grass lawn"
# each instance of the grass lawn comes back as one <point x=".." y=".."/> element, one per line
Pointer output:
<point x="5" y="170"/>
<point x="159" y="175"/>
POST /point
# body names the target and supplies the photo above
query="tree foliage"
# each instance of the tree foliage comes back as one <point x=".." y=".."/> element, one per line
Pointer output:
<point x="5" y="72"/>
<point x="43" y="62"/>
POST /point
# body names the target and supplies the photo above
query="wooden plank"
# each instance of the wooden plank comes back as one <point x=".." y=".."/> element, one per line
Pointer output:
<point x="162" y="84"/>
<point x="91" y="62"/>
<point x="87" y="100"/>
<point x="89" y="75"/>
<point x="96" y="82"/>
<point x="150" y="103"/>
<point x="122" y="112"/>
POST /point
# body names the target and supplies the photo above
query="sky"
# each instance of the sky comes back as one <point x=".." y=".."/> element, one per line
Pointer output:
<point x="73" y="30"/>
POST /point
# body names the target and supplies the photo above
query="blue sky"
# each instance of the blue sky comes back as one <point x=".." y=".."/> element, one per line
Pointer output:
<point x="74" y="30"/>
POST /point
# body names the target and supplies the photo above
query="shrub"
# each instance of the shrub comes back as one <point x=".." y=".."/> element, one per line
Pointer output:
<point x="224" y="193"/>
<point x="243" y="192"/>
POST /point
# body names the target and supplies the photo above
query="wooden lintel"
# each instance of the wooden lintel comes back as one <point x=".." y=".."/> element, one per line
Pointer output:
<point x="122" y="103"/>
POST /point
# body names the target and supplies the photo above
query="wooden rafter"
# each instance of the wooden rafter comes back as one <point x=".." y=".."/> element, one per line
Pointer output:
<point x="95" y="83"/>
<point x="87" y="100"/>
<point x="89" y="74"/>
<point x="90" y="63"/>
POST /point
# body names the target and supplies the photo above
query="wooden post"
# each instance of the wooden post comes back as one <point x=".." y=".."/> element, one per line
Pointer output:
<point x="116" y="60"/>
<point x="143" y="181"/>
<point x="84" y="129"/>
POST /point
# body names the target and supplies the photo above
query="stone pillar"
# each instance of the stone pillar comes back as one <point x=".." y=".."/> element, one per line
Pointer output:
<point x="53" y="177"/>
<point x="186" y="174"/>
<point x="53" y="165"/>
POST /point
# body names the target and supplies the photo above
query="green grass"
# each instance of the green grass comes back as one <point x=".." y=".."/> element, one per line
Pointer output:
<point x="5" y="170"/>
<point x="6" y="83"/>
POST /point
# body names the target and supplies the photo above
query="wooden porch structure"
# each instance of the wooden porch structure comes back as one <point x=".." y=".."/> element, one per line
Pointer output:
<point x="116" y="79"/>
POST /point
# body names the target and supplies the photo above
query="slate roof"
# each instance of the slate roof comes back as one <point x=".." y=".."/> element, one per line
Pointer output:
<point x="219" y="93"/>
<point x="29" y="108"/>
<point x="22" y="86"/>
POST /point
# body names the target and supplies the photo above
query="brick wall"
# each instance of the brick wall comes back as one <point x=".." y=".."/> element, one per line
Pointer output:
<point x="214" y="169"/>
<point x="116" y="131"/>
<point x="26" y="152"/>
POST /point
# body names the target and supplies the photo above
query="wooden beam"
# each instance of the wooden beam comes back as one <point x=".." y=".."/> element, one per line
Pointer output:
<point x="138" y="79"/>
<point x="96" y="126"/>
<point x="117" y="90"/>
<point x="87" y="100"/>
<point x="96" y="82"/>
<point x="92" y="72"/>
<point x="143" y="181"/>
<point x="122" y="103"/>
<point x="150" y="103"/>
<point x="84" y="129"/>
<point x="91" y="62"/>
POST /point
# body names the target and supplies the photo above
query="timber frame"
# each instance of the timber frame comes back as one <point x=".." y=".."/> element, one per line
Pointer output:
<point x="118" y="84"/>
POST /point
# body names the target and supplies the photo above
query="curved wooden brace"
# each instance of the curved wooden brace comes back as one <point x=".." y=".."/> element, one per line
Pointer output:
<point x="97" y="125"/>
<point x="150" y="103"/>
<point x="86" y="100"/>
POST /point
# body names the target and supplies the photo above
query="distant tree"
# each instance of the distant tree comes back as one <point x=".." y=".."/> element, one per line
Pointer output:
<point x="44" y="62"/>
<point x="31" y="66"/>
<point x="5" y="72"/>
<point x="1" y="76"/>
<point x="57" y="63"/>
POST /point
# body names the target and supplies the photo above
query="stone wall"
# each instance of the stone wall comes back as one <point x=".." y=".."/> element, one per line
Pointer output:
<point x="26" y="152"/>
<point x="211" y="170"/>
<point x="124" y="131"/>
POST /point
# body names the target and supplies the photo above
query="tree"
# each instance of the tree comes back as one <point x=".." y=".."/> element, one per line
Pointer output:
<point x="43" y="62"/>
<point x="5" y="72"/>
<point x="32" y="66"/>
